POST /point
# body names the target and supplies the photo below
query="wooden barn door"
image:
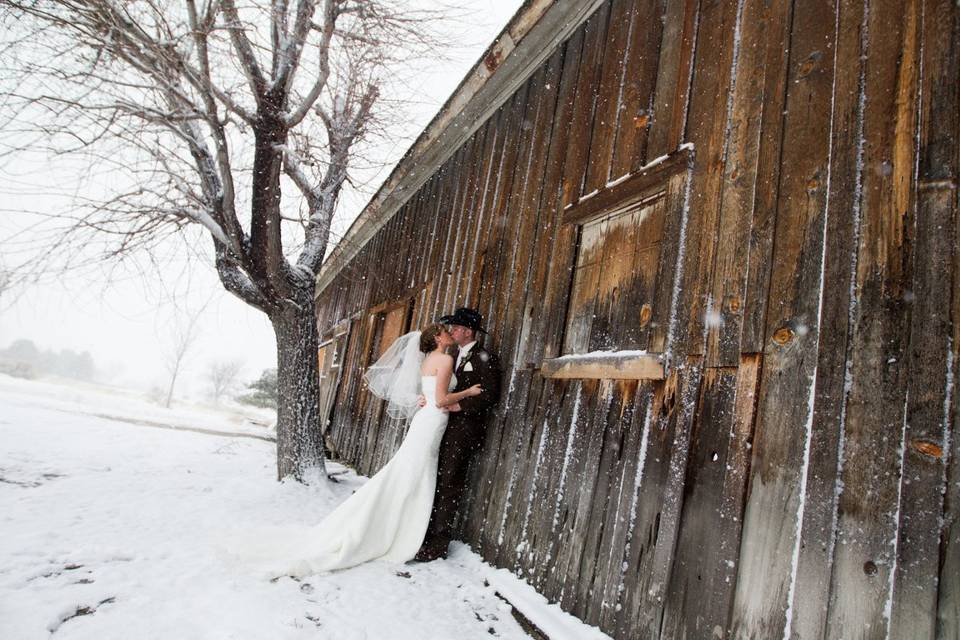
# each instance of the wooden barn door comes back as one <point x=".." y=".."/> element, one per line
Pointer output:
<point x="330" y="356"/>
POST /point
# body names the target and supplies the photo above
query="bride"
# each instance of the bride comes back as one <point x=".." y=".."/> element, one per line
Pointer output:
<point x="386" y="519"/>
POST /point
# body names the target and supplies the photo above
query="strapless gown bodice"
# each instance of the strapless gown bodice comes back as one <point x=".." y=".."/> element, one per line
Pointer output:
<point x="429" y="386"/>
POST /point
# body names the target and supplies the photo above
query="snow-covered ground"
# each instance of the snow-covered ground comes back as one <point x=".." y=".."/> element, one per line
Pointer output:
<point x="111" y="528"/>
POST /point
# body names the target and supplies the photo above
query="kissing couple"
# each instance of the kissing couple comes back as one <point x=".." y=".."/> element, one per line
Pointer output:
<point x="406" y="511"/>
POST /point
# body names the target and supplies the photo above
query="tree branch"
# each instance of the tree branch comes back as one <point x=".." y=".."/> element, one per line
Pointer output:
<point x="327" y="30"/>
<point x="248" y="59"/>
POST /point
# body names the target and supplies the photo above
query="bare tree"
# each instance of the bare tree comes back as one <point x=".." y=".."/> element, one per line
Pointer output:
<point x="4" y="281"/>
<point x="223" y="375"/>
<point x="195" y="111"/>
<point x="184" y="337"/>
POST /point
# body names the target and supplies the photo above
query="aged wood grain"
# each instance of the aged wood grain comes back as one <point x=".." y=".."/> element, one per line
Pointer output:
<point x="656" y="509"/>
<point x="608" y="96"/>
<point x="780" y="468"/>
<point x="756" y="94"/>
<point x="875" y="418"/>
<point x="939" y="148"/>
<point x="536" y="209"/>
<point x="703" y="575"/>
<point x="499" y="216"/>
<point x="914" y="606"/>
<point x="553" y="275"/>
<point x="635" y="422"/>
<point x="635" y="113"/>
<point x="672" y="91"/>
<point x="623" y="367"/>
<point x="591" y="574"/>
<point x="706" y="127"/>
<point x="817" y="534"/>
<point x="526" y="241"/>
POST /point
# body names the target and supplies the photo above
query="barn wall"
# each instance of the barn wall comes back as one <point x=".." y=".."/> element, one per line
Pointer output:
<point x="795" y="472"/>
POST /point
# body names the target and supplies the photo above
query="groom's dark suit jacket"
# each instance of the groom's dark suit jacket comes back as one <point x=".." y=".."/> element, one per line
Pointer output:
<point x="463" y="438"/>
<point x="484" y="370"/>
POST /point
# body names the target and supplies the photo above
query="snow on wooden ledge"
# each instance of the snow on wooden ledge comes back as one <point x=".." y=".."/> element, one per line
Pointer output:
<point x="617" y="365"/>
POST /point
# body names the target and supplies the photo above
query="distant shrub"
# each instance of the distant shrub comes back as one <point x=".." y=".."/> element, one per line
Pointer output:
<point x="18" y="369"/>
<point x="263" y="391"/>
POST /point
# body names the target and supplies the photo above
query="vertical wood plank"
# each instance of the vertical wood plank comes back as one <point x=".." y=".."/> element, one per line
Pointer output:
<point x="774" y="513"/>
<point x="702" y="578"/>
<point x="589" y="574"/>
<point x="512" y="252"/>
<point x="940" y="151"/>
<point x="618" y="529"/>
<point x="818" y="530"/>
<point x="600" y="579"/>
<point x="464" y="218"/>
<point x="454" y="217"/>
<point x="634" y="116"/>
<point x="659" y="499"/>
<point x="865" y="562"/>
<point x="499" y="215"/>
<point x="506" y="314"/>
<point x="719" y="27"/>
<point x="489" y="160"/>
<point x="608" y="95"/>
<point x="549" y="279"/>
<point x="757" y="93"/>
<point x="577" y="84"/>
<point x="931" y="353"/>
<point x="673" y="80"/>
<point x="588" y="91"/>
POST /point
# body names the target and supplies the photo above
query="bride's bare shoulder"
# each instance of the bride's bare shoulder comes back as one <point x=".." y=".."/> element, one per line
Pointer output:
<point x="437" y="362"/>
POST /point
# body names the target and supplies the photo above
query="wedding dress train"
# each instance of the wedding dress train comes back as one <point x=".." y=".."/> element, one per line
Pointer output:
<point x="386" y="518"/>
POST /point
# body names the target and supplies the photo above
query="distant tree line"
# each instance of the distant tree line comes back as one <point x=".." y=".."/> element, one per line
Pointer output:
<point x="24" y="359"/>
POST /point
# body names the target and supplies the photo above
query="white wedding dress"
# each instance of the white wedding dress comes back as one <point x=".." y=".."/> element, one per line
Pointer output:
<point x="386" y="518"/>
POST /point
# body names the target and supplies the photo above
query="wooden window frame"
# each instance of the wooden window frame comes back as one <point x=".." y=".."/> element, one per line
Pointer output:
<point x="663" y="178"/>
<point x="373" y="346"/>
<point x="334" y="344"/>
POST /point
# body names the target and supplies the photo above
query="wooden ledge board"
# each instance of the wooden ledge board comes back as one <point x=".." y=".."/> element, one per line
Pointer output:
<point x="649" y="182"/>
<point x="647" y="366"/>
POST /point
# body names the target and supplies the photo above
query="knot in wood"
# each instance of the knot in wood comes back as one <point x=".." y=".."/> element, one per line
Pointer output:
<point x="645" y="314"/>
<point x="783" y="335"/>
<point x="808" y="65"/>
<point x="927" y="448"/>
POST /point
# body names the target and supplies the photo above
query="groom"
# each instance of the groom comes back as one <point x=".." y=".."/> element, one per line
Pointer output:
<point x="466" y="428"/>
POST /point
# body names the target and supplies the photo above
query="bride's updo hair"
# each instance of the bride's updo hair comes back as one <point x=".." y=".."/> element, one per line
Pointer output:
<point x="428" y="337"/>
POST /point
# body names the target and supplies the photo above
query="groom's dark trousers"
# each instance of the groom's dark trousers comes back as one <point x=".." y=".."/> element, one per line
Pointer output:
<point x="463" y="439"/>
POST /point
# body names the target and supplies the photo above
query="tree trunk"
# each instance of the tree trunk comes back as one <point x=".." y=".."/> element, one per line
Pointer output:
<point x="299" y="442"/>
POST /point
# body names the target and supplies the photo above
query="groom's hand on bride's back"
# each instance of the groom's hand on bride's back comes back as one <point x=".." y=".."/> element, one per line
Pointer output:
<point x="421" y="401"/>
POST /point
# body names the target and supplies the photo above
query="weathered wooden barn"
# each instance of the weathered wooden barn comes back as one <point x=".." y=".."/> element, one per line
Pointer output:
<point x="715" y="243"/>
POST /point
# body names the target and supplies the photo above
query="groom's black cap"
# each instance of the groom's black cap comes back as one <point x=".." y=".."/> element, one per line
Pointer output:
<point x="469" y="318"/>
